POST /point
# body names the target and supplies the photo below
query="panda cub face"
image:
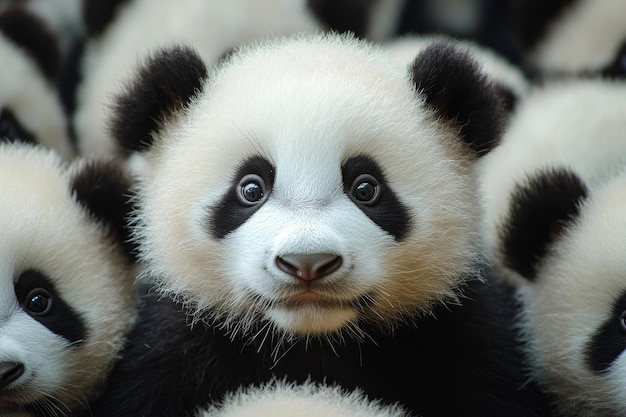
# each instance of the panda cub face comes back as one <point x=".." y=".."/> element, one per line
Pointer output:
<point x="305" y="185"/>
<point x="66" y="299"/>
<point x="574" y="317"/>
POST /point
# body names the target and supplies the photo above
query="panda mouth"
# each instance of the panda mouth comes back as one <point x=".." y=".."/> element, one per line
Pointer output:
<point x="320" y="300"/>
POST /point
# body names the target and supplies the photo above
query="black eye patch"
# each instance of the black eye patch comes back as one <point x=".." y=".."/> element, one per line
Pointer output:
<point x="251" y="187"/>
<point x="364" y="183"/>
<point x="39" y="298"/>
<point x="608" y="343"/>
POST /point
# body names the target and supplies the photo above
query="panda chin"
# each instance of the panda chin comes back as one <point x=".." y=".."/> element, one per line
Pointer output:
<point x="310" y="318"/>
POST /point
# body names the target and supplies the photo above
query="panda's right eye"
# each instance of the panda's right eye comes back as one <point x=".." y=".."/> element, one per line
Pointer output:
<point x="251" y="190"/>
<point x="38" y="301"/>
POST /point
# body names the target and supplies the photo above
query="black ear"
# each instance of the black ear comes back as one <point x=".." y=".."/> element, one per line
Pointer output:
<point x="103" y="188"/>
<point x="457" y="89"/>
<point x="34" y="37"/>
<point x="97" y="14"/>
<point x="539" y="210"/>
<point x="161" y="87"/>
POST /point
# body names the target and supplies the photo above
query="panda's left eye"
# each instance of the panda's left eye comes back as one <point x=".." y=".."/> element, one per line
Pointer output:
<point x="251" y="190"/>
<point x="38" y="301"/>
<point x="365" y="189"/>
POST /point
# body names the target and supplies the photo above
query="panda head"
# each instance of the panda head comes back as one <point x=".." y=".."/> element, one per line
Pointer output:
<point x="66" y="301"/>
<point x="573" y="36"/>
<point x="30" y="108"/>
<point x="307" y="184"/>
<point x="577" y="123"/>
<point x="279" y="398"/>
<point x="567" y="239"/>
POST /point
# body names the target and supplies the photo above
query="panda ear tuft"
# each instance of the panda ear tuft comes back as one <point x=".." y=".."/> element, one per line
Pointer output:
<point x="161" y="87"/>
<point x="33" y="36"/>
<point x="457" y="89"/>
<point x="539" y="211"/>
<point x="103" y="188"/>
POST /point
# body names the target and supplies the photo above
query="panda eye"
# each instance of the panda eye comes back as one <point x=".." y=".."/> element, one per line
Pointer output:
<point x="251" y="190"/>
<point x="365" y="189"/>
<point x="38" y="301"/>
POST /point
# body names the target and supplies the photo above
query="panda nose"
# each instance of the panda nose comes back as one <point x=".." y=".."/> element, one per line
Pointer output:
<point x="308" y="267"/>
<point x="9" y="372"/>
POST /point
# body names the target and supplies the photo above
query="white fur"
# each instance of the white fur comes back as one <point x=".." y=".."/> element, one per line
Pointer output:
<point x="32" y="98"/>
<point x="403" y="50"/>
<point x="212" y="27"/>
<point x="282" y="399"/>
<point x="585" y="37"/>
<point x="308" y="104"/>
<point x="572" y="296"/>
<point x="43" y="228"/>
<point x="577" y="123"/>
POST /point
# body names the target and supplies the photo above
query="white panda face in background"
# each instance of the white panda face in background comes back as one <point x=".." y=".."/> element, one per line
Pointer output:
<point x="316" y="195"/>
<point x="575" y="308"/>
<point x="66" y="298"/>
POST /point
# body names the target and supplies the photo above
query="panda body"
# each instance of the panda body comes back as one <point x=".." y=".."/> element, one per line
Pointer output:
<point x="213" y="28"/>
<point x="67" y="299"/>
<point x="279" y="398"/>
<point x="30" y="109"/>
<point x="309" y="208"/>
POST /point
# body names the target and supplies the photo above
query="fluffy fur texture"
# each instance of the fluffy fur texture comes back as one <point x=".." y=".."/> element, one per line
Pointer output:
<point x="138" y="27"/>
<point x="577" y="124"/>
<point x="574" y="318"/>
<point x="66" y="297"/>
<point x="311" y="207"/>
<point x="509" y="79"/>
<point x="573" y="36"/>
<point x="30" y="109"/>
<point x="279" y="398"/>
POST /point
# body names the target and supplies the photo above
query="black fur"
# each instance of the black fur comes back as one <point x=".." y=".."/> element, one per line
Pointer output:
<point x="61" y="319"/>
<point x="609" y="342"/>
<point x="104" y="189"/>
<point x="32" y="35"/>
<point x="617" y="68"/>
<point x="161" y="87"/>
<point x="388" y="213"/>
<point x="11" y="130"/>
<point x="229" y="213"/>
<point x="458" y="91"/>
<point x="70" y="77"/>
<point x="532" y="18"/>
<point x="467" y="354"/>
<point x="538" y="211"/>
<point x="343" y="16"/>
<point x="97" y="14"/>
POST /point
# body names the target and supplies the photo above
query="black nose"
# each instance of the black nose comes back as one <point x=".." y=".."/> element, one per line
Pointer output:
<point x="309" y="267"/>
<point x="9" y="372"/>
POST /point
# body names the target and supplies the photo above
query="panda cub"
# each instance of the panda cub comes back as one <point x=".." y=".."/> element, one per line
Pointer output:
<point x="67" y="299"/>
<point x="30" y="109"/>
<point x="554" y="196"/>
<point x="574" y="296"/>
<point x="310" y="209"/>
<point x="282" y="399"/>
